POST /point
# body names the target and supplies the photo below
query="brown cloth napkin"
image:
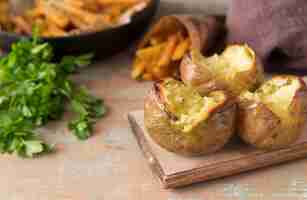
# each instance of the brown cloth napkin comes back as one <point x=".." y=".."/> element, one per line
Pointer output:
<point x="276" y="29"/>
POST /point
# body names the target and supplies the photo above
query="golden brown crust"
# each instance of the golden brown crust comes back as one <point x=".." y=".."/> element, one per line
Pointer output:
<point x="207" y="137"/>
<point x="197" y="76"/>
<point x="257" y="124"/>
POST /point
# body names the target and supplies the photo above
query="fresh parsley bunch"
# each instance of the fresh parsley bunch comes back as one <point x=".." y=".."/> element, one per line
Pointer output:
<point x="35" y="90"/>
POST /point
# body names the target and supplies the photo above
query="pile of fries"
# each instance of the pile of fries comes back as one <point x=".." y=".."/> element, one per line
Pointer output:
<point x="64" y="17"/>
<point x="159" y="57"/>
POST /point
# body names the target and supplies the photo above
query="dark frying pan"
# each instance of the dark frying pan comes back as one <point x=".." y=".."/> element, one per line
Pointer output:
<point x="103" y="43"/>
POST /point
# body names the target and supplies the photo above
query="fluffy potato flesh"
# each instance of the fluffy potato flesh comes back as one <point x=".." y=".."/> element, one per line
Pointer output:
<point x="165" y="45"/>
<point x="279" y="106"/>
<point x="278" y="94"/>
<point x="239" y="58"/>
<point x="180" y="120"/>
<point x="188" y="107"/>
<point x="236" y="70"/>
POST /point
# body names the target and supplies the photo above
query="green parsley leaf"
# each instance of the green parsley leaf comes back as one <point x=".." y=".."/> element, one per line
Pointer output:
<point x="34" y="90"/>
<point x="89" y="109"/>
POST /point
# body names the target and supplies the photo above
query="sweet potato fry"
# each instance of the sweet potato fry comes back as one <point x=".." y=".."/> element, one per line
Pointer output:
<point x="150" y="52"/>
<point x="22" y="24"/>
<point x="123" y="2"/>
<point x="4" y="14"/>
<point x="138" y="69"/>
<point x="159" y="51"/>
<point x="168" y="51"/>
<point x="77" y="3"/>
<point x="56" y="17"/>
<point x="181" y="49"/>
<point x="85" y="16"/>
<point x="36" y="12"/>
<point x="148" y="77"/>
<point x="156" y="40"/>
<point x="146" y="59"/>
<point x="114" y="11"/>
<point x="77" y="23"/>
<point x="161" y="73"/>
<point x="55" y="31"/>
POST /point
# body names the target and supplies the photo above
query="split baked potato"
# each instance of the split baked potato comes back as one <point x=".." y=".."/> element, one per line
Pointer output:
<point x="274" y="115"/>
<point x="180" y="120"/>
<point x="236" y="69"/>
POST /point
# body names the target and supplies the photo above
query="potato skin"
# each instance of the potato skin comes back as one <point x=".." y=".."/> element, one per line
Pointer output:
<point x="198" y="76"/>
<point x="259" y="126"/>
<point x="208" y="137"/>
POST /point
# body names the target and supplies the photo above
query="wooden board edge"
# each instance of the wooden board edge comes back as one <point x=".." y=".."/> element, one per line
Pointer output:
<point x="222" y="170"/>
<point x="147" y="151"/>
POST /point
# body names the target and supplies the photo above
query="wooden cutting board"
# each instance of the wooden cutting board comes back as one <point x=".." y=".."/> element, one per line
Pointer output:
<point x="176" y="171"/>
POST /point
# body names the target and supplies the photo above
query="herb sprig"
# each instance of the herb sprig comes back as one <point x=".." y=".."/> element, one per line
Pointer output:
<point x="34" y="90"/>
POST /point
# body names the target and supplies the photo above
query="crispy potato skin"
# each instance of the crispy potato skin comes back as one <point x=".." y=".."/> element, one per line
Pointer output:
<point x="259" y="126"/>
<point x="198" y="76"/>
<point x="208" y="137"/>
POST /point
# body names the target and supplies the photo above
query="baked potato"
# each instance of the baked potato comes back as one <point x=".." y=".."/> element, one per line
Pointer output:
<point x="273" y="116"/>
<point x="160" y="52"/>
<point x="181" y="121"/>
<point x="236" y="69"/>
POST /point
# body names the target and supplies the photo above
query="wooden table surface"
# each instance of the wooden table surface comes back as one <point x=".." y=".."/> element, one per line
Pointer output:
<point x="110" y="166"/>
